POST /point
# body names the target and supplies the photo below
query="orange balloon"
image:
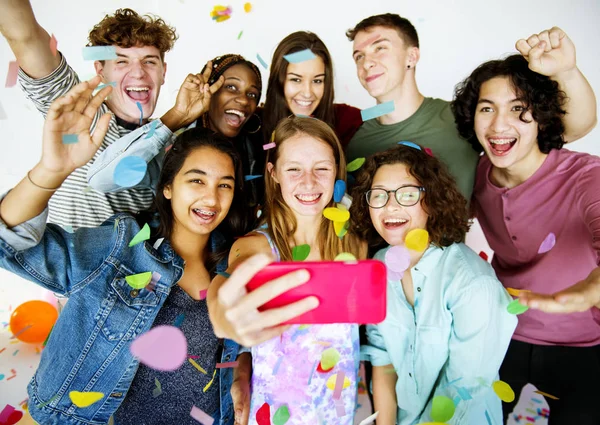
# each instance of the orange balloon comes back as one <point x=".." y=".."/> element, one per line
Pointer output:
<point x="32" y="321"/>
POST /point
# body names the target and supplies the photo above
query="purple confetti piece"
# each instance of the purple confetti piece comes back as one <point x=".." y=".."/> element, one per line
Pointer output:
<point x="339" y="385"/>
<point x="547" y="244"/>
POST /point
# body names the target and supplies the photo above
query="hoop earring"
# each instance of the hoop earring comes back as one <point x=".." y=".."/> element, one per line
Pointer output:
<point x="259" y="124"/>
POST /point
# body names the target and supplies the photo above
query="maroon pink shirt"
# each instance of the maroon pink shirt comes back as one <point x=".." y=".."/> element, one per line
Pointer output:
<point x="562" y="197"/>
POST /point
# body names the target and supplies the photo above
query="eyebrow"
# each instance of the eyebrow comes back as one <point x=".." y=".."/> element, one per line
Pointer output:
<point x="484" y="100"/>
<point x="240" y="80"/>
<point x="145" y="57"/>
<point x="298" y="75"/>
<point x="203" y="173"/>
<point x="363" y="45"/>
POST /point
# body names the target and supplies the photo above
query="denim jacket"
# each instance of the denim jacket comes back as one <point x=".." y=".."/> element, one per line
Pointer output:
<point x="88" y="350"/>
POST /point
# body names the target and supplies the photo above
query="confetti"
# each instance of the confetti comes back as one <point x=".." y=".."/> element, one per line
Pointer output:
<point x="224" y="274"/>
<point x="130" y="171"/>
<point x="151" y="129"/>
<point x="158" y="390"/>
<point x="277" y="365"/>
<point x="211" y="381"/>
<point x="252" y="177"/>
<point x="158" y="243"/>
<point x="547" y="244"/>
<point x="367" y="42"/>
<point x="442" y="409"/>
<point x="397" y="260"/>
<point x="139" y="281"/>
<point x="341" y="228"/>
<point x="262" y="61"/>
<point x="336" y="214"/>
<point x="197" y="366"/>
<point x="11" y="76"/>
<point x="247" y="7"/>
<point x="99" y="53"/>
<point x="263" y="415"/>
<point x="516" y="308"/>
<point x="201" y="416"/>
<point x="332" y="381"/>
<point x="14" y="372"/>
<point x="179" y="320"/>
<point x="53" y="45"/>
<point x="345" y="256"/>
<point x="221" y="13"/>
<point x="162" y="348"/>
<point x="483" y="255"/>
<point x="547" y="395"/>
<point x="301" y="56"/>
<point x="410" y="144"/>
<point x="10" y="415"/>
<point x="69" y="139"/>
<point x="463" y="393"/>
<point x="3" y="115"/>
<point x="240" y="34"/>
<point x="503" y="391"/>
<point x="339" y="385"/>
<point x="312" y="371"/>
<point x="139" y="105"/>
<point x="417" y="240"/>
<point x="21" y="331"/>
<point x="340" y="411"/>
<point x="370" y="419"/>
<point x="300" y="252"/>
<point x="488" y="419"/>
<point x="329" y="358"/>
<point x="202" y="294"/>
<point x="516" y="292"/>
<point x="101" y="86"/>
<point x="377" y="110"/>
<point x="85" y="399"/>
<point x="268" y="146"/>
<point x="429" y="152"/>
<point x="281" y="416"/>
<point x="355" y="165"/>
<point x="338" y="190"/>
<point x="227" y="365"/>
<point x="141" y="236"/>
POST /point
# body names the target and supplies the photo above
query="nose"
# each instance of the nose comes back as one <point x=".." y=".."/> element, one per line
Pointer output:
<point x="305" y="90"/>
<point x="392" y="203"/>
<point x="500" y="122"/>
<point x="309" y="180"/>
<point x="136" y="69"/>
<point x="242" y="99"/>
<point x="368" y="62"/>
<point x="210" y="196"/>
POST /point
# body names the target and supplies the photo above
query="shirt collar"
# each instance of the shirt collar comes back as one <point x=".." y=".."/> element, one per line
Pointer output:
<point x="429" y="260"/>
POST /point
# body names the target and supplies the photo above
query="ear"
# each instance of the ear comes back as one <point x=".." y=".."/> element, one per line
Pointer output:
<point x="99" y="67"/>
<point x="271" y="171"/>
<point x="413" y="56"/>
<point x="167" y="192"/>
<point x="164" y="72"/>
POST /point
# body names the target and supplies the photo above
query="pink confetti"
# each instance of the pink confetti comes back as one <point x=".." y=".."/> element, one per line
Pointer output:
<point x="269" y="146"/>
<point x="339" y="385"/>
<point x="168" y="148"/>
<point x="547" y="244"/>
<point x="11" y="77"/>
<point x="161" y="348"/>
<point x="428" y="151"/>
<point x="6" y="412"/>
<point x="227" y="365"/>
<point x="367" y="42"/>
<point x="201" y="416"/>
<point x="397" y="260"/>
<point x="339" y="409"/>
<point x="203" y="294"/>
<point x="53" y="45"/>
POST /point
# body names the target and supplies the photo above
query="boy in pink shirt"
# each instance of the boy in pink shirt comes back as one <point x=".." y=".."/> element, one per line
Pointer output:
<point x="539" y="207"/>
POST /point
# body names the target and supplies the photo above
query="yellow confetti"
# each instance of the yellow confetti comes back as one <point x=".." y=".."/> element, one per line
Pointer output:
<point x="247" y="7"/>
<point x="85" y="399"/>
<point x="331" y="382"/>
<point x="503" y="391"/>
<point x="329" y="358"/>
<point x="336" y="215"/>
<point x="324" y="343"/>
<point x="211" y="381"/>
<point x="341" y="228"/>
<point x="417" y="240"/>
<point x="197" y="366"/>
<point x="301" y="327"/>
<point x="345" y="256"/>
<point x="515" y="292"/>
<point x="547" y="395"/>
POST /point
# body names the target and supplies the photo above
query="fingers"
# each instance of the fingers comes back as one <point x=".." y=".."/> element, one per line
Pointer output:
<point x="217" y="85"/>
<point x="92" y="105"/>
<point x="68" y="101"/>
<point x="556" y="36"/>
<point x="101" y="129"/>
<point x="207" y="71"/>
<point x="235" y="286"/>
<point x="523" y="47"/>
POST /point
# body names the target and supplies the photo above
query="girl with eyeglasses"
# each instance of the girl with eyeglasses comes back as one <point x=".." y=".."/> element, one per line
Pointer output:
<point x="447" y="327"/>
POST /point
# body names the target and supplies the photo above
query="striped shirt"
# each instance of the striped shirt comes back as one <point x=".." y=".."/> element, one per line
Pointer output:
<point x="75" y="204"/>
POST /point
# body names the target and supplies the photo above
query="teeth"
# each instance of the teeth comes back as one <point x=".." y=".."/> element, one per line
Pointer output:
<point x="394" y="220"/>
<point x="501" y="141"/>
<point x="307" y="198"/>
<point x="235" y="112"/>
<point x="304" y="102"/>
<point x="137" y="88"/>
<point x="203" y="212"/>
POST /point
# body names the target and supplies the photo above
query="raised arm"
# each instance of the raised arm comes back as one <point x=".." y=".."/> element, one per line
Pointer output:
<point x="552" y="53"/>
<point x="27" y="39"/>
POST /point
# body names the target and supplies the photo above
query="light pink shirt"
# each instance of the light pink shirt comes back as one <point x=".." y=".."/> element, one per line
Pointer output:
<point x="562" y="197"/>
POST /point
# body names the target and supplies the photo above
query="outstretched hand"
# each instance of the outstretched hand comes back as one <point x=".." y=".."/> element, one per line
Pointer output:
<point x="549" y="53"/>
<point x="72" y="115"/>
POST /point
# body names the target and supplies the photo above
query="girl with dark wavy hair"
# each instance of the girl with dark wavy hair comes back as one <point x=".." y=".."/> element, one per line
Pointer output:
<point x="539" y="208"/>
<point x="446" y="314"/>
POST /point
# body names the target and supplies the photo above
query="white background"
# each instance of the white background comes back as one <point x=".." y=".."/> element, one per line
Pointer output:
<point x="455" y="37"/>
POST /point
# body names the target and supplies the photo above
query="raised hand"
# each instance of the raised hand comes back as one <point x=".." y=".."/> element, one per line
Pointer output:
<point x="549" y="53"/>
<point x="72" y="114"/>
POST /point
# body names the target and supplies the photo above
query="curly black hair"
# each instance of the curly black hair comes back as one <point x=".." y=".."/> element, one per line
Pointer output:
<point x="539" y="93"/>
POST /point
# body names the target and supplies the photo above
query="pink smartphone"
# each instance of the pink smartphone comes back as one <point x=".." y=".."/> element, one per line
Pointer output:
<point x="348" y="291"/>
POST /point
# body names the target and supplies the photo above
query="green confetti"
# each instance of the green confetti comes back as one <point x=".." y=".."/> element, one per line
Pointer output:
<point x="281" y="416"/>
<point x="515" y="307"/>
<point x="329" y="358"/>
<point x="240" y="34"/>
<point x="355" y="165"/>
<point x="46" y="340"/>
<point x="300" y="252"/>
<point x="139" y="281"/>
<point x="345" y="256"/>
<point x="141" y="236"/>
<point x="442" y="409"/>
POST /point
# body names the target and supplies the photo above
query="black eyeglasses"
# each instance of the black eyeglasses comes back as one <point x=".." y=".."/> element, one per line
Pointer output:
<point x="407" y="196"/>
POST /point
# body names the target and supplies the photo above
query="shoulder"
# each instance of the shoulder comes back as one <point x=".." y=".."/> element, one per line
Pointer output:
<point x="250" y="244"/>
<point x="467" y="266"/>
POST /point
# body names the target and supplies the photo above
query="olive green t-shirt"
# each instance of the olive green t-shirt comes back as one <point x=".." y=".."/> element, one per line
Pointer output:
<point x="432" y="126"/>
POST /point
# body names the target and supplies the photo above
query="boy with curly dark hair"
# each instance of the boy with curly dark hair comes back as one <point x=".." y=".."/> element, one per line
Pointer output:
<point x="539" y="208"/>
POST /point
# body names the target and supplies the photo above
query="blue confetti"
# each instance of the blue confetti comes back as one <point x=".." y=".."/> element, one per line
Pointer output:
<point x="69" y="139"/>
<point x="99" y="53"/>
<point x="262" y="61"/>
<point x="152" y="129"/>
<point x="312" y="371"/>
<point x="130" y="171"/>
<point x="101" y="86"/>
<point x="338" y="190"/>
<point x="276" y="368"/>
<point x="224" y="274"/>
<point x="456" y="400"/>
<point x="463" y="393"/>
<point x="252" y="177"/>
<point x="179" y="320"/>
<point x="377" y="111"/>
<point x="139" y="105"/>
<point x="410" y="144"/>
<point x="301" y="56"/>
<point x="487" y="417"/>
<point x="537" y="400"/>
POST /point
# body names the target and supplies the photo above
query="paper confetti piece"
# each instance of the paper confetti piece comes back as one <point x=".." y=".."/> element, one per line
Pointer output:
<point x="321" y="370"/>
<point x="252" y="177"/>
<point x="281" y="416"/>
<point x="151" y="129"/>
<point x="53" y="45"/>
<point x="442" y="409"/>
<point x="367" y="42"/>
<point x="341" y="228"/>
<point x="158" y="243"/>
<point x="130" y="171"/>
<point x="355" y="165"/>
<point x="224" y="274"/>
<point x="503" y="391"/>
<point x="263" y="415"/>
<point x="197" y="366"/>
<point x="21" y="331"/>
<point x="11" y="76"/>
<point x="141" y="236"/>
<point x="10" y="416"/>
<point x="329" y="358"/>
<point x="247" y="7"/>
<point x="201" y="416"/>
<point x="158" y="390"/>
<point x="429" y="152"/>
<point x="417" y="240"/>
<point x="69" y="139"/>
<point x="339" y="385"/>
<point x="332" y="381"/>
<point x="463" y="393"/>
<point x="227" y="365"/>
<point x="85" y="399"/>
<point x="203" y="293"/>
<point x="262" y="61"/>
<point x="377" y="110"/>
<point x="300" y="252"/>
<point x="312" y="371"/>
<point x="101" y="86"/>
<point x="277" y="365"/>
<point x="139" y="281"/>
<point x="161" y="348"/>
<point x="516" y="308"/>
<point x="340" y="410"/>
<point x="546" y="395"/>
<point x="345" y="256"/>
<point x="338" y="190"/>
<point x="370" y="419"/>
<point x="301" y="56"/>
<point x="336" y="214"/>
<point x="99" y="53"/>
<point x="547" y="244"/>
<point x="487" y="418"/>
<point x="211" y="381"/>
<point x="240" y="34"/>
<point x="3" y="115"/>
<point x="179" y="320"/>
<point x="516" y="292"/>
<point x="139" y="105"/>
<point x="269" y="146"/>
<point x="397" y="260"/>
<point x="410" y="144"/>
<point x="47" y="402"/>
<point x="483" y="255"/>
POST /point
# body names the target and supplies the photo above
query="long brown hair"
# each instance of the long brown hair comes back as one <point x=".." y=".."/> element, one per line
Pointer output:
<point x="276" y="107"/>
<point x="280" y="220"/>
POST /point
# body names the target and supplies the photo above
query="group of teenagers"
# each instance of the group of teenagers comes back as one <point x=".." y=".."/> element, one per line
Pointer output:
<point x="495" y="153"/>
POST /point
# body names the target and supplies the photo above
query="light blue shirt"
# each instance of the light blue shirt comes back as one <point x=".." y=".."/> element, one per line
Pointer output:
<point x="451" y="343"/>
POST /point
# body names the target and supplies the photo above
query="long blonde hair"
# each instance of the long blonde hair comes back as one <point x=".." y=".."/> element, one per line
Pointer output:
<point x="280" y="220"/>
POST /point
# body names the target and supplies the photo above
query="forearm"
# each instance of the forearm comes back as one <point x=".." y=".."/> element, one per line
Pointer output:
<point x="243" y="371"/>
<point x="580" y="106"/>
<point x="27" y="200"/>
<point x="384" y="394"/>
<point x="595" y="279"/>
<point x="175" y="120"/>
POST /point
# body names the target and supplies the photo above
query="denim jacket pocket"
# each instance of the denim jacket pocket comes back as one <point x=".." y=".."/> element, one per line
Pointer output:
<point x="125" y="311"/>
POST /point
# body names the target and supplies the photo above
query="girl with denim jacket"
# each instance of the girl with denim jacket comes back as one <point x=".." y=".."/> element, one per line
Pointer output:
<point x="88" y="349"/>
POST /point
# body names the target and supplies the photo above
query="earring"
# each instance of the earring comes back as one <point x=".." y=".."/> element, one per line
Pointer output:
<point x="259" y="124"/>
<point x="408" y="67"/>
